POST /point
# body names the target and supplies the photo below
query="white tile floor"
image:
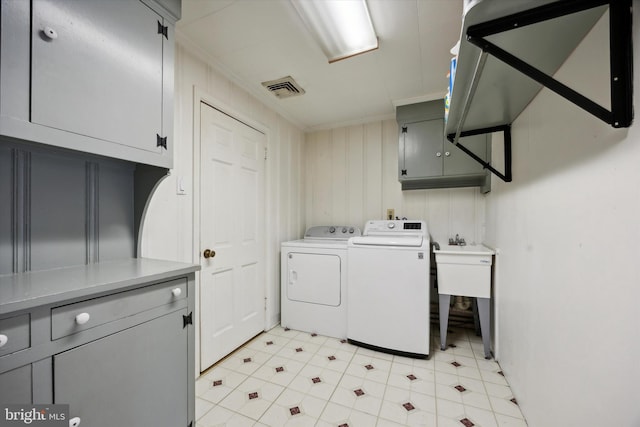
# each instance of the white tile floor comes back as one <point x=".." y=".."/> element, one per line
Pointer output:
<point x="291" y="378"/>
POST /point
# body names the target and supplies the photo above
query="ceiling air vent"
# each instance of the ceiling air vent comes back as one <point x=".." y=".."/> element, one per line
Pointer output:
<point x="285" y="87"/>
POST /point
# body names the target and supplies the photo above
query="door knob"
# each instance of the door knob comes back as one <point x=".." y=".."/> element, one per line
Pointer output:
<point x="208" y="253"/>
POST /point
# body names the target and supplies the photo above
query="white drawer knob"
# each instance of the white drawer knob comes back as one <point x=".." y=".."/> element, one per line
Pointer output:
<point x="176" y="292"/>
<point x="3" y="339"/>
<point x="50" y="33"/>
<point x="81" y="319"/>
<point x="74" y="422"/>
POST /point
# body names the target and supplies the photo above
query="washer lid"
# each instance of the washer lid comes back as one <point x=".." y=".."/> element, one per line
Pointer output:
<point x="405" y="241"/>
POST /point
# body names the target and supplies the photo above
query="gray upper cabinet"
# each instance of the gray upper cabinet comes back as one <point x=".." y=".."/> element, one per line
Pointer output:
<point x="427" y="160"/>
<point x="90" y="75"/>
<point x="96" y="82"/>
<point x="421" y="149"/>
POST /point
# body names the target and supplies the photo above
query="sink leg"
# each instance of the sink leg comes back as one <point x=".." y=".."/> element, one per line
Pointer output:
<point x="484" y="305"/>
<point x="444" y="301"/>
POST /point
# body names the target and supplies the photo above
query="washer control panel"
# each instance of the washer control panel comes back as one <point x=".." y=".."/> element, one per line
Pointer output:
<point x="400" y="227"/>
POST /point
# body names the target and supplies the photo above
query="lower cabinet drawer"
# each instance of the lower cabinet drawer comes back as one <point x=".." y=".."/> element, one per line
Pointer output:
<point x="80" y="316"/>
<point x="14" y="334"/>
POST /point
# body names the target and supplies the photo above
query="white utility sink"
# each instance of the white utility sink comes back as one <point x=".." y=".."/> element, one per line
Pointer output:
<point x="464" y="270"/>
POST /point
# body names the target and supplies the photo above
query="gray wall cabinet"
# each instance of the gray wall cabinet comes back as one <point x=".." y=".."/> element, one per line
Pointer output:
<point x="89" y="75"/>
<point x="427" y="160"/>
<point x="131" y="363"/>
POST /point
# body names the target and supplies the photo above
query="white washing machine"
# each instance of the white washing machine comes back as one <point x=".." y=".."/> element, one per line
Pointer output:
<point x="389" y="291"/>
<point x="313" y="281"/>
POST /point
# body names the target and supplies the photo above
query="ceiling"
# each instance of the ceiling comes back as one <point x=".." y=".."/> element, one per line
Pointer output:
<point x="252" y="41"/>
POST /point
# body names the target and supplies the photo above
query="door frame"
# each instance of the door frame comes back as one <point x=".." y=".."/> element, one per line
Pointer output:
<point x="200" y="96"/>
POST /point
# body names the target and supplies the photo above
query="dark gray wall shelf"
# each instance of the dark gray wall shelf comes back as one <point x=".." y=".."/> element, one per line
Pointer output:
<point x="509" y="51"/>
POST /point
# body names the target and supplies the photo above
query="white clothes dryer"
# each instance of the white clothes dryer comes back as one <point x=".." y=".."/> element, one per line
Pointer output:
<point x="389" y="291"/>
<point x="313" y="279"/>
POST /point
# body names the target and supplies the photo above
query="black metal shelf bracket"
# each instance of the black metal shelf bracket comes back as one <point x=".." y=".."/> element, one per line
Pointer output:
<point x="506" y="131"/>
<point x="620" y="52"/>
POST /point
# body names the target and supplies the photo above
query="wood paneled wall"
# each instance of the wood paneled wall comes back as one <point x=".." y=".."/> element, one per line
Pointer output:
<point x="351" y="177"/>
<point x="59" y="208"/>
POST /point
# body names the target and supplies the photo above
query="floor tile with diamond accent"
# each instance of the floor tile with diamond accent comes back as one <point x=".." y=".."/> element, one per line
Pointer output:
<point x="286" y="377"/>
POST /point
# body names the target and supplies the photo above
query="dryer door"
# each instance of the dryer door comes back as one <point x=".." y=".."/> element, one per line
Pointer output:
<point x="314" y="278"/>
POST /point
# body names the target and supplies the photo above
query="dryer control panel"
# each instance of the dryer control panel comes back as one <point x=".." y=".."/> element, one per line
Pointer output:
<point x="332" y="232"/>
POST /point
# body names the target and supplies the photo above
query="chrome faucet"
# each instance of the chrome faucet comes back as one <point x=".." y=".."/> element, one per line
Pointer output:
<point x="457" y="241"/>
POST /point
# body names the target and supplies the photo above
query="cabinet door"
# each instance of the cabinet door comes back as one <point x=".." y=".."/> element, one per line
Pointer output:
<point x="15" y="385"/>
<point x="421" y="149"/>
<point x="457" y="162"/>
<point x="137" y="377"/>
<point x="96" y="70"/>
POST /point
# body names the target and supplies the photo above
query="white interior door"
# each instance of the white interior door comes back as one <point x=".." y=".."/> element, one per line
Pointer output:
<point x="232" y="288"/>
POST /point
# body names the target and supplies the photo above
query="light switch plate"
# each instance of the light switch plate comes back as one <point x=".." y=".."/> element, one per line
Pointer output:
<point x="181" y="186"/>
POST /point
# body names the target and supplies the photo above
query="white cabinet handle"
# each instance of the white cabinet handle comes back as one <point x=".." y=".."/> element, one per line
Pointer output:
<point x="74" y="422"/>
<point x="176" y="292"/>
<point x="50" y="33"/>
<point x="3" y="340"/>
<point x="438" y="154"/>
<point x="447" y="154"/>
<point x="81" y="319"/>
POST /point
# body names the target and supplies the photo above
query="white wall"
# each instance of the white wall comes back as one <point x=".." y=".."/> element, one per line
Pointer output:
<point x="352" y="176"/>
<point x="568" y="228"/>
<point x="169" y="227"/>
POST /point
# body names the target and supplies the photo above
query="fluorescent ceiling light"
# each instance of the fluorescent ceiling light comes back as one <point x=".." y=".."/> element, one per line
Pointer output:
<point x="343" y="28"/>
